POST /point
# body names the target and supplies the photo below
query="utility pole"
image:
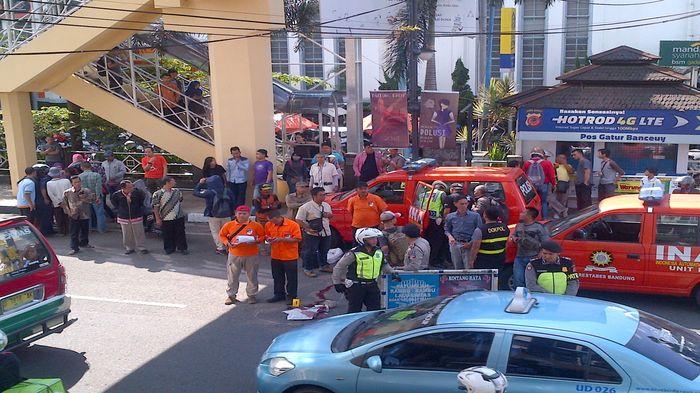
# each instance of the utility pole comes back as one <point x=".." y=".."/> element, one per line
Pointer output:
<point x="412" y="53"/>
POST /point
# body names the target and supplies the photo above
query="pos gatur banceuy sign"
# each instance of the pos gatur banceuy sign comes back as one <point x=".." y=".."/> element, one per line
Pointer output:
<point x="680" y="53"/>
<point x="627" y="126"/>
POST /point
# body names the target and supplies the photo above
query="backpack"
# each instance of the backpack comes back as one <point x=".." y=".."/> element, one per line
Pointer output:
<point x="504" y="216"/>
<point x="221" y="207"/>
<point x="398" y="244"/>
<point x="536" y="173"/>
<point x="528" y="241"/>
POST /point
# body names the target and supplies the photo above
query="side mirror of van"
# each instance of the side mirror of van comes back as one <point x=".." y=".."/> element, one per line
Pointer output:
<point x="578" y="234"/>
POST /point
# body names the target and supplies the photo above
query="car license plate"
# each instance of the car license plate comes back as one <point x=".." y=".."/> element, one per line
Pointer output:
<point x="17" y="301"/>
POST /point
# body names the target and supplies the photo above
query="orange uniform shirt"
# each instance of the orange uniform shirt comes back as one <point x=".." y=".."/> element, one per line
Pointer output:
<point x="252" y="228"/>
<point x="365" y="211"/>
<point x="158" y="162"/>
<point x="284" y="251"/>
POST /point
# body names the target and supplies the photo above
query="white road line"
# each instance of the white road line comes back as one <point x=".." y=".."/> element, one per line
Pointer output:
<point x="101" y="299"/>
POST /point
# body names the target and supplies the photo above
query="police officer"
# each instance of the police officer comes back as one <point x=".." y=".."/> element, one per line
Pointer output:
<point x="551" y="273"/>
<point x="357" y="271"/>
<point x="489" y="242"/>
<point x="435" y="232"/>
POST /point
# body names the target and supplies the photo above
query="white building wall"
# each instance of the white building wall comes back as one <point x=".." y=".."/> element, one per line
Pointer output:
<point x="554" y="43"/>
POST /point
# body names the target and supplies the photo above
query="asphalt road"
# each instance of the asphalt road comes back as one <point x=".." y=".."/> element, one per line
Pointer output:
<point x="158" y="323"/>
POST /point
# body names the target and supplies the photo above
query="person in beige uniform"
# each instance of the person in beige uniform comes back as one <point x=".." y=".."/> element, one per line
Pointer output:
<point x="295" y="200"/>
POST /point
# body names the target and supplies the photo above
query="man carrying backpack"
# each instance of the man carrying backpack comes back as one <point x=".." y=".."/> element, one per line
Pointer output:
<point x="542" y="176"/>
<point x="483" y="201"/>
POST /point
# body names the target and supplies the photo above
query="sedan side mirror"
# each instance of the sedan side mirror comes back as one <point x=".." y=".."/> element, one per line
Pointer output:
<point x="3" y="340"/>
<point x="374" y="363"/>
<point x="578" y="234"/>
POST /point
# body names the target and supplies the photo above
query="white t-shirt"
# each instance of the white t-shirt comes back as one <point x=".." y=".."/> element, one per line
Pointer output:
<point x="27" y="185"/>
<point x="55" y="188"/>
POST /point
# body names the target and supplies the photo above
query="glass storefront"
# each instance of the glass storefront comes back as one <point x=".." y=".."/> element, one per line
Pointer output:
<point x="634" y="158"/>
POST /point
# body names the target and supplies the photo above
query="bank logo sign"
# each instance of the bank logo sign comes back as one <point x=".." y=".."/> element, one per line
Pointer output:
<point x="680" y="53"/>
<point x="640" y="126"/>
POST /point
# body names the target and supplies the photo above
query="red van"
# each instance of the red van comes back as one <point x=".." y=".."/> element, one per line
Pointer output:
<point x="33" y="301"/>
<point x="403" y="191"/>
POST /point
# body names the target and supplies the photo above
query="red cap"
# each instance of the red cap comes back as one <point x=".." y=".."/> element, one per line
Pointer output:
<point x="243" y="208"/>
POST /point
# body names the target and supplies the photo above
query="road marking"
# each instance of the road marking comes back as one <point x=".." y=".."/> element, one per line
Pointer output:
<point x="141" y="303"/>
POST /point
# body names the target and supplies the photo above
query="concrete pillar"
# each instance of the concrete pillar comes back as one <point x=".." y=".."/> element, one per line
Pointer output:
<point x="19" y="134"/>
<point x="241" y="97"/>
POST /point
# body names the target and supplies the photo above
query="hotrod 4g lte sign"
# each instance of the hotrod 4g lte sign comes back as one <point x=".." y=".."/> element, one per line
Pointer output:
<point x="631" y="126"/>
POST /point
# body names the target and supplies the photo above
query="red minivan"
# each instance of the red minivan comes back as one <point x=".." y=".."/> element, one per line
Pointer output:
<point x="33" y="301"/>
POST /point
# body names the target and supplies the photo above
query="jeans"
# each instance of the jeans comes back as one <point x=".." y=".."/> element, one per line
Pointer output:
<point x="100" y="222"/>
<point x="79" y="230"/>
<point x="284" y="274"/>
<point x="174" y="235"/>
<point x="238" y="190"/>
<point x="606" y="191"/>
<point x="460" y="256"/>
<point x="316" y="251"/>
<point x="543" y="192"/>
<point x="519" y="266"/>
<point x="583" y="196"/>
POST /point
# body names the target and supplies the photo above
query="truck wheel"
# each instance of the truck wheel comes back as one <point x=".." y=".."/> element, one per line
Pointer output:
<point x="505" y="279"/>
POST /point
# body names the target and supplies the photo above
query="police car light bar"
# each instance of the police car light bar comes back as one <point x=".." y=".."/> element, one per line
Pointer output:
<point x="522" y="302"/>
<point x="415" y="166"/>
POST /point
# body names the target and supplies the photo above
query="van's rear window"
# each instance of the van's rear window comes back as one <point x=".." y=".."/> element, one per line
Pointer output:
<point x="21" y="251"/>
<point x="526" y="188"/>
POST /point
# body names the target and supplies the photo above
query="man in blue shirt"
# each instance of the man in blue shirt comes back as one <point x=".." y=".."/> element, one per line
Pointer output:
<point x="26" y="193"/>
<point x="237" y="168"/>
<point x="459" y="228"/>
<point x="327" y="150"/>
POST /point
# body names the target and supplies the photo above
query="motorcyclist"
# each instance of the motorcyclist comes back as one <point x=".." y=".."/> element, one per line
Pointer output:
<point x="481" y="379"/>
<point x="686" y="185"/>
<point x="357" y="272"/>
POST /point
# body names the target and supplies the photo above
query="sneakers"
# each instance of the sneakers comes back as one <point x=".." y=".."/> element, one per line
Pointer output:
<point x="326" y="269"/>
<point x="127" y="252"/>
<point x="275" y="299"/>
<point x="230" y="300"/>
<point x="310" y="273"/>
<point x="251" y="300"/>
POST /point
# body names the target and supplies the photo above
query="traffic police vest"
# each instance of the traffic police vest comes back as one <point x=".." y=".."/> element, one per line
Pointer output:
<point x="436" y="204"/>
<point x="367" y="267"/>
<point x="554" y="277"/>
<point x="494" y="237"/>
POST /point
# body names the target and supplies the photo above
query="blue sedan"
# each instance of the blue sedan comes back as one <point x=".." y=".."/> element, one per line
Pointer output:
<point x="549" y="344"/>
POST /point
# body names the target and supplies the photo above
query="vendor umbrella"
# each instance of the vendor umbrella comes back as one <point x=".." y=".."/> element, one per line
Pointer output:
<point x="294" y="123"/>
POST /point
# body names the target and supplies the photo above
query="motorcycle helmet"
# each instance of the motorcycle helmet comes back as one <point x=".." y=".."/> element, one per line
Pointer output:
<point x="481" y="379"/>
<point x="440" y="184"/>
<point x="363" y="234"/>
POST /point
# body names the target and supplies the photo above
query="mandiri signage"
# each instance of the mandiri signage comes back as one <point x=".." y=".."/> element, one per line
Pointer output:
<point x="679" y="53"/>
<point x="629" y="126"/>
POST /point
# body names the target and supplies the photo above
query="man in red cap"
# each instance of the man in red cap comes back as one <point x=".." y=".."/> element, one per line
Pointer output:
<point x="242" y="237"/>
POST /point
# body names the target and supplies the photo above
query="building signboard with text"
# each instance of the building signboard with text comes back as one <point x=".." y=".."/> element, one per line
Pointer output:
<point x="679" y="53"/>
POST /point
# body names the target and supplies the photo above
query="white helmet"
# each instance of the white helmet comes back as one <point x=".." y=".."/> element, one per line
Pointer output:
<point x="686" y="180"/>
<point x="482" y="380"/>
<point x="366" y="233"/>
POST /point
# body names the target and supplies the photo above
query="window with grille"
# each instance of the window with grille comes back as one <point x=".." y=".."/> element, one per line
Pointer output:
<point x="532" y="57"/>
<point x="576" y="37"/>
<point x="340" y="80"/>
<point x="312" y="58"/>
<point x="280" y="52"/>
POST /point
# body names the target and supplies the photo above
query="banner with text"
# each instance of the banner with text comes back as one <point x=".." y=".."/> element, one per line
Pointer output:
<point x="418" y="286"/>
<point x="389" y="118"/>
<point x="629" y="126"/>
<point x="438" y="111"/>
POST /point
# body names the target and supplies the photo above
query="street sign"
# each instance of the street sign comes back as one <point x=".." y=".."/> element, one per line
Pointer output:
<point x="451" y="16"/>
<point x="680" y="53"/>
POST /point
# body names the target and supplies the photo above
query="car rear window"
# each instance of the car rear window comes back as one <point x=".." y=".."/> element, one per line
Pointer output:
<point x="21" y="251"/>
<point x="399" y="320"/>
<point x="526" y="188"/>
<point x="671" y="346"/>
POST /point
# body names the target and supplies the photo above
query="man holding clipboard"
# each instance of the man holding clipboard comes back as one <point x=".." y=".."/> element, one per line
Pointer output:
<point x="242" y="237"/>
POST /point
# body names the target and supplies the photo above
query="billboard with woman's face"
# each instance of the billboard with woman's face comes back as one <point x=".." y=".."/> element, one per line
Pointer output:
<point x="438" y="128"/>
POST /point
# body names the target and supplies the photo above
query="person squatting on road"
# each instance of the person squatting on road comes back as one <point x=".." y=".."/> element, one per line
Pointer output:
<point x="551" y="273"/>
<point x="284" y="236"/>
<point x="459" y="228"/>
<point x="357" y="272"/>
<point x="242" y="237"/>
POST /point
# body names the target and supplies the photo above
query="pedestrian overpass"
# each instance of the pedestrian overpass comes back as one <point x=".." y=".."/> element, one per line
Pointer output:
<point x="84" y="50"/>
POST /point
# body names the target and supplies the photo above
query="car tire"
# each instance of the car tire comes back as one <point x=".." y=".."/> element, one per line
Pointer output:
<point x="310" y="389"/>
<point x="505" y="279"/>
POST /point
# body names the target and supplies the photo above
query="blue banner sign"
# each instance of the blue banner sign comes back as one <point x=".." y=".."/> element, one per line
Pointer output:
<point x="629" y="126"/>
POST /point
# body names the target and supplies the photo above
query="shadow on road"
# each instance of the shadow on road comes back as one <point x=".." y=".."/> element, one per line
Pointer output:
<point x="49" y="362"/>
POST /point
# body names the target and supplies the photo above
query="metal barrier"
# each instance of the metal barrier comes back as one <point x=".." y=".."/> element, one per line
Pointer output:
<point x="22" y="21"/>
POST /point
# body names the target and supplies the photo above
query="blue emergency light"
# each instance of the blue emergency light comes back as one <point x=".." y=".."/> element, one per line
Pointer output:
<point x="412" y="167"/>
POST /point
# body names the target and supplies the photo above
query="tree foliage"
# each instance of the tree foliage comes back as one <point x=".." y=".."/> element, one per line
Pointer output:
<point x="185" y="70"/>
<point x="301" y="18"/>
<point x="460" y="83"/>
<point x="298" y="79"/>
<point x="488" y="106"/>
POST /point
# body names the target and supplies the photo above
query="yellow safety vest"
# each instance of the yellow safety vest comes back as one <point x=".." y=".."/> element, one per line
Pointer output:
<point x="435" y="206"/>
<point x="368" y="267"/>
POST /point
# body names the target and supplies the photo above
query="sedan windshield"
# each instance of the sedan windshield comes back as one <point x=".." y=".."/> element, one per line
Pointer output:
<point x="398" y="321"/>
<point x="560" y="224"/>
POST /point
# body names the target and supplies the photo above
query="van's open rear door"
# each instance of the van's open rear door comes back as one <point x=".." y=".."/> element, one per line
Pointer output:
<point x="418" y="212"/>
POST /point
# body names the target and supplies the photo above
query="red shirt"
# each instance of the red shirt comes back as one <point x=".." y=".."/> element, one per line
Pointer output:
<point x="158" y="164"/>
<point x="548" y="169"/>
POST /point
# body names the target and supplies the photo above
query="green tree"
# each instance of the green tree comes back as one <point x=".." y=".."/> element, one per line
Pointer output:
<point x="460" y="83"/>
<point x="489" y="106"/>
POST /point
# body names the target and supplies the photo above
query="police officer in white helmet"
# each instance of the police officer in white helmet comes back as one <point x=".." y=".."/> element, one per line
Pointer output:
<point x="357" y="272"/>
<point x="481" y="379"/>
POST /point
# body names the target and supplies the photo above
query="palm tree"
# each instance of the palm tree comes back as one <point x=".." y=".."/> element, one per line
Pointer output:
<point x="488" y="106"/>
